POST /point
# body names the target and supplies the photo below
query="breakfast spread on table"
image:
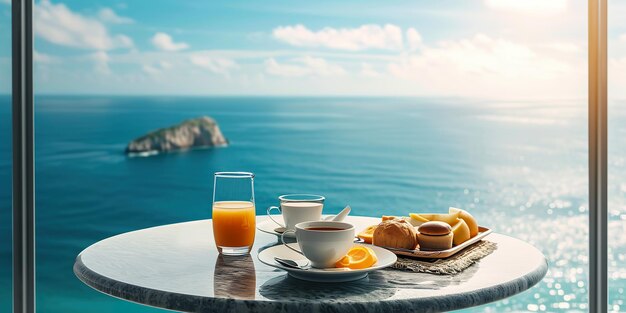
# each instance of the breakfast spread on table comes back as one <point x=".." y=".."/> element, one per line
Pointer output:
<point x="324" y="243"/>
<point x="417" y="235"/>
<point x="327" y="248"/>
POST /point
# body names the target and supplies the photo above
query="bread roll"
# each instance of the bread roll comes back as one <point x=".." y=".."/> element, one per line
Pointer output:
<point x="395" y="233"/>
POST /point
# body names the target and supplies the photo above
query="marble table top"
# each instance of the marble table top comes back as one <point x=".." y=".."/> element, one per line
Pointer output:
<point x="177" y="267"/>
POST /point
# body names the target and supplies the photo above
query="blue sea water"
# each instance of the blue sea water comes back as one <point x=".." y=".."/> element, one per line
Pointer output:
<point x="519" y="167"/>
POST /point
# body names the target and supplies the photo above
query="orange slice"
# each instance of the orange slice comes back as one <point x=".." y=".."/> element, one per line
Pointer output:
<point x="344" y="262"/>
<point x="367" y="234"/>
<point x="358" y="257"/>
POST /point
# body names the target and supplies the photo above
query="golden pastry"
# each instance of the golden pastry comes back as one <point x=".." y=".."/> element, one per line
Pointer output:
<point x="395" y="233"/>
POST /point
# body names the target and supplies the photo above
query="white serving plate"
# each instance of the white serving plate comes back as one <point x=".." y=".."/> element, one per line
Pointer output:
<point x="385" y="259"/>
<point x="441" y="254"/>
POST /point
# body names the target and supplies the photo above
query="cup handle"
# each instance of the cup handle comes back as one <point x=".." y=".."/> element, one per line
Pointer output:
<point x="282" y="239"/>
<point x="269" y="210"/>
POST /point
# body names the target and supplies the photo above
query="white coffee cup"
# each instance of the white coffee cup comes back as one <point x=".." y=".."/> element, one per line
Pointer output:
<point x="322" y="242"/>
<point x="298" y="208"/>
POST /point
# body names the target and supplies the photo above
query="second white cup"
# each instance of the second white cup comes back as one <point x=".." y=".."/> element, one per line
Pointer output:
<point x="298" y="208"/>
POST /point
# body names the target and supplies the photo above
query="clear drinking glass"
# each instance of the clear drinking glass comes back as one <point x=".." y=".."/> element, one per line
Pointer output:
<point x="234" y="218"/>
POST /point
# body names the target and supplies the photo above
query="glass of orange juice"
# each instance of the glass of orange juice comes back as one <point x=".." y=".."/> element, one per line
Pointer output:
<point x="234" y="218"/>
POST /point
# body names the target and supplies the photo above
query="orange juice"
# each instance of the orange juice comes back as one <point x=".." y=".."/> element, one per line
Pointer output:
<point x="234" y="223"/>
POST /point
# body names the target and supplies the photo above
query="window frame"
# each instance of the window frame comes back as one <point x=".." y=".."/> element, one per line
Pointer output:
<point x="23" y="192"/>
<point x="598" y="182"/>
<point x="23" y="156"/>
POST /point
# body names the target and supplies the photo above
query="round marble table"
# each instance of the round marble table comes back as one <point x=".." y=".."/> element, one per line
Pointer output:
<point x="177" y="267"/>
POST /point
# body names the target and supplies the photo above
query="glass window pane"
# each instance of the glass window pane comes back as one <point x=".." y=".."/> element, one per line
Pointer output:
<point x="6" y="158"/>
<point x="616" y="164"/>
<point x="391" y="107"/>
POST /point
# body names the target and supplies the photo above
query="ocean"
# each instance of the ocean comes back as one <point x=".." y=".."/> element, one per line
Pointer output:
<point x="519" y="167"/>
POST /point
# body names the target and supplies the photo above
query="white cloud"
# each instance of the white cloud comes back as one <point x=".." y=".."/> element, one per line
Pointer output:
<point x="321" y="67"/>
<point x="617" y="79"/>
<point x="305" y="66"/>
<point x="152" y="70"/>
<point x="6" y="2"/>
<point x="272" y="67"/>
<point x="413" y="39"/>
<point x="216" y="65"/>
<point x="487" y="67"/>
<point x="109" y="16"/>
<point x="165" y="65"/>
<point x="57" y="24"/>
<point x="164" y="42"/>
<point x="371" y="36"/>
<point x="101" y="62"/>
<point x="42" y="58"/>
<point x="124" y="41"/>
<point x="368" y="71"/>
<point x="157" y="68"/>
<point x="565" y="47"/>
<point x="539" y="7"/>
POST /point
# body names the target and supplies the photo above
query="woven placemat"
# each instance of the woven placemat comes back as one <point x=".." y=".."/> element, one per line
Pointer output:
<point x="449" y="266"/>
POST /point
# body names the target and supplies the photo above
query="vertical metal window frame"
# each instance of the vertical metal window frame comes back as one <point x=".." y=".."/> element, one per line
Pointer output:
<point x="23" y="158"/>
<point x="598" y="284"/>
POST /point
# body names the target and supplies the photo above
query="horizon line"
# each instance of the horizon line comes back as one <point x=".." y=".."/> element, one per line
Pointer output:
<point x="300" y="96"/>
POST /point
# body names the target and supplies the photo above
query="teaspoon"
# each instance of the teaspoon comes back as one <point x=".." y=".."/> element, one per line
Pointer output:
<point x="303" y="264"/>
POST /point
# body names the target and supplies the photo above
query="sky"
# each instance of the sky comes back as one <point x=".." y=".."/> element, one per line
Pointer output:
<point x="503" y="49"/>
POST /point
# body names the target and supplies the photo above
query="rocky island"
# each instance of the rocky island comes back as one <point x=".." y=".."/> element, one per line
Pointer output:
<point x="194" y="133"/>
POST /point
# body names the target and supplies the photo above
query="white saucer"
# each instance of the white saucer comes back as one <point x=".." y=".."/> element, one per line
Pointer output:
<point x="385" y="258"/>
<point x="270" y="227"/>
